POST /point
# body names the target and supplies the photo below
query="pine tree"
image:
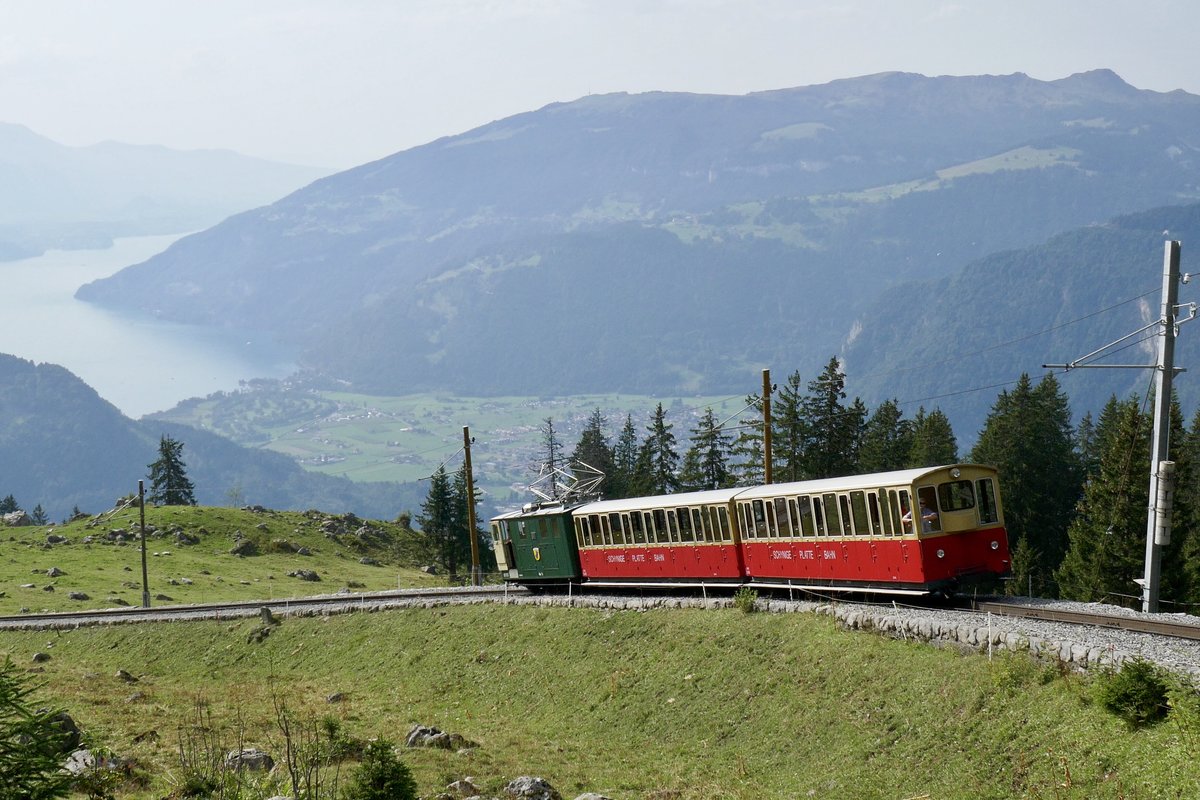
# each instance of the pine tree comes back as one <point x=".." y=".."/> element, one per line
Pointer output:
<point x="747" y="450"/>
<point x="593" y="451"/>
<point x="625" y="456"/>
<point x="32" y="745"/>
<point x="706" y="463"/>
<point x="1028" y="437"/>
<point x="1086" y="447"/>
<point x="933" y="442"/>
<point x="789" y="433"/>
<point x="440" y="521"/>
<point x="887" y="440"/>
<point x="38" y="515"/>
<point x="658" y="462"/>
<point x="1107" y="535"/>
<point x="551" y="453"/>
<point x="833" y="430"/>
<point x="8" y="505"/>
<point x="169" y="484"/>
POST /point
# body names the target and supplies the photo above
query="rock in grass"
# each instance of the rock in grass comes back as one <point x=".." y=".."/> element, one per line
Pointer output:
<point x="305" y="575"/>
<point x="527" y="787"/>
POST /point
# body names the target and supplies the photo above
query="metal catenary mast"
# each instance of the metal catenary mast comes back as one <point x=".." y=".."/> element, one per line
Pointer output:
<point x="1158" y="520"/>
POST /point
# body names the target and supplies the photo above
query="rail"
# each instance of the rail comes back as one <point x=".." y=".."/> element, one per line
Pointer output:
<point x="247" y="608"/>
<point x="1138" y="624"/>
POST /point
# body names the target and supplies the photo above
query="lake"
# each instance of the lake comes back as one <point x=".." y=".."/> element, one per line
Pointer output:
<point x="138" y="365"/>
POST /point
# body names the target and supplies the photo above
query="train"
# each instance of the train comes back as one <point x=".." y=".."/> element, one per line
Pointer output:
<point x="928" y="531"/>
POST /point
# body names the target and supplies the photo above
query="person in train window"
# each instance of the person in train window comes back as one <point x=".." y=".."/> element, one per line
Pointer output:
<point x="928" y="518"/>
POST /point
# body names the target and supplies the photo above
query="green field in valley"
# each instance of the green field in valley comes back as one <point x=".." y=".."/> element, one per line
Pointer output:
<point x="371" y="438"/>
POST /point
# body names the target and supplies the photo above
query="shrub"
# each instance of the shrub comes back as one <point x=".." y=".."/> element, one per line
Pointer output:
<point x="745" y="600"/>
<point x="1137" y="693"/>
<point x="31" y="743"/>
<point x="382" y="776"/>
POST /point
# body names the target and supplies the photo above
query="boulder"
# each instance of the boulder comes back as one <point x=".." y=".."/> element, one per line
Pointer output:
<point x="66" y="727"/>
<point x="55" y="538"/>
<point x="16" y="519"/>
<point x="250" y="759"/>
<point x="305" y="575"/>
<point x="530" y="788"/>
<point x="429" y="736"/>
<point x="244" y="547"/>
<point x="79" y="596"/>
<point x="54" y="572"/>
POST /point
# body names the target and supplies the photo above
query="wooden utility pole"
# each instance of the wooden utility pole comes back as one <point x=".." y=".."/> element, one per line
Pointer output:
<point x="142" y="526"/>
<point x="476" y="577"/>
<point x="766" y="398"/>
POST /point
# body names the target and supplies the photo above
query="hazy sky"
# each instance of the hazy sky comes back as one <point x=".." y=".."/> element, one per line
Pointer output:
<point x="340" y="82"/>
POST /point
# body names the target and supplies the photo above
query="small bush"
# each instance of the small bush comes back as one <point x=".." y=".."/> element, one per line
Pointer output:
<point x="382" y="776"/>
<point x="1137" y="693"/>
<point x="745" y="600"/>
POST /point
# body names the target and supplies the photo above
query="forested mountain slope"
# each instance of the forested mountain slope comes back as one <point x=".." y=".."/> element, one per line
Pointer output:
<point x="668" y="242"/>
<point x="61" y="446"/>
<point x="933" y="342"/>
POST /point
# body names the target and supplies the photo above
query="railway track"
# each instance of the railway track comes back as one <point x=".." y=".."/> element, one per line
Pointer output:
<point x="1137" y="624"/>
<point x="250" y="608"/>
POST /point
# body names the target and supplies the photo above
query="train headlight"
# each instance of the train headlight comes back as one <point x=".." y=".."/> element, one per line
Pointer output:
<point x="941" y="553"/>
<point x="995" y="545"/>
<point x="954" y="473"/>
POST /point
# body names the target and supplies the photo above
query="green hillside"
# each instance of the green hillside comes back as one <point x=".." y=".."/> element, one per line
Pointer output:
<point x="683" y="704"/>
<point x="190" y="558"/>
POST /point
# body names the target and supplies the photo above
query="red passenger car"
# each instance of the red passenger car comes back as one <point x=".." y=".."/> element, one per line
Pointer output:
<point x="909" y="532"/>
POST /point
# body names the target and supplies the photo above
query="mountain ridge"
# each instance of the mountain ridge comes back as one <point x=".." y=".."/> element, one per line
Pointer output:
<point x="398" y="274"/>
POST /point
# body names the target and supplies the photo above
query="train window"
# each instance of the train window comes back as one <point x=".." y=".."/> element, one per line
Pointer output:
<point x="858" y="511"/>
<point x="845" y="504"/>
<point x="794" y="516"/>
<point x="726" y="532"/>
<point x="902" y="506"/>
<point x="782" y="520"/>
<point x="760" y="518"/>
<point x="521" y="528"/>
<point x="772" y="528"/>
<point x="699" y="518"/>
<point x="580" y="524"/>
<point x="873" y="510"/>
<point x="743" y="518"/>
<point x="804" y="506"/>
<point x="956" y="495"/>
<point x="677" y="524"/>
<point x="819" y="516"/>
<point x="614" y="531"/>
<point x="927" y="500"/>
<point x="685" y="524"/>
<point x="885" y="513"/>
<point x="661" y="534"/>
<point x="988" y="512"/>
<point x="633" y="525"/>
<point x="832" y="525"/>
